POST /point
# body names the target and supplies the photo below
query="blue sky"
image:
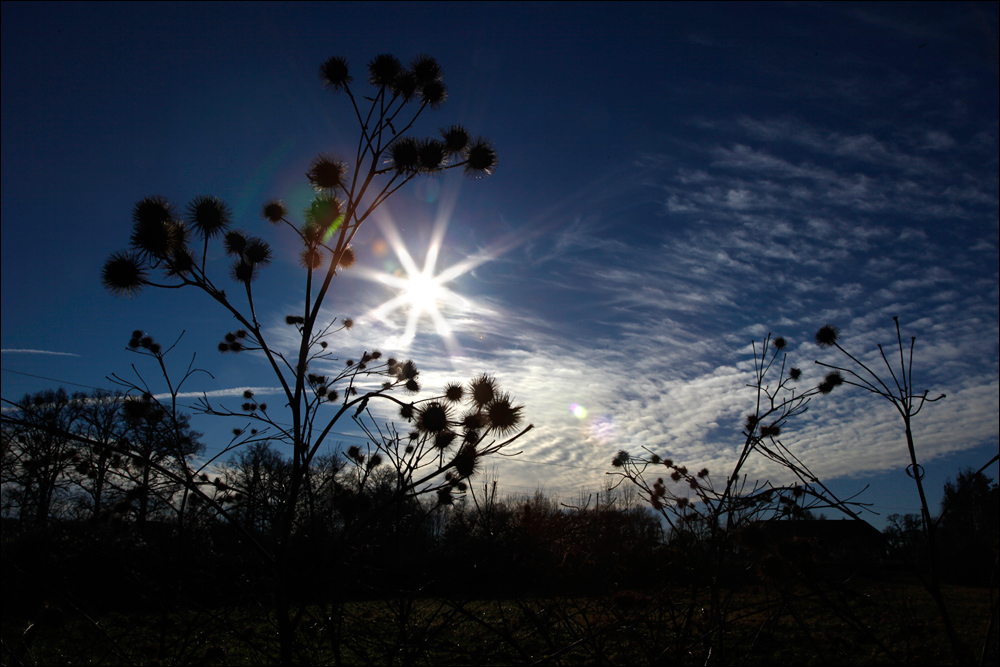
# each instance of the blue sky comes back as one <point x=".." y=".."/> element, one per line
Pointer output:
<point x="674" y="182"/>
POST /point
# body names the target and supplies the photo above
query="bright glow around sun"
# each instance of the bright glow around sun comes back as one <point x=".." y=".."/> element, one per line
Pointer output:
<point x="422" y="291"/>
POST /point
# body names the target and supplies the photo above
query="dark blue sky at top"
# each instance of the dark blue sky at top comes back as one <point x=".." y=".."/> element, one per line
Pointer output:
<point x="674" y="181"/>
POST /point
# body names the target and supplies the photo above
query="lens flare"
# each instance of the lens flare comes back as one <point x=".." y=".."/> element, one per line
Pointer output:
<point x="578" y="411"/>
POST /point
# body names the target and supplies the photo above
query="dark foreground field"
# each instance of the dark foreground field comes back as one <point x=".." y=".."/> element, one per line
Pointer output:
<point x="864" y="623"/>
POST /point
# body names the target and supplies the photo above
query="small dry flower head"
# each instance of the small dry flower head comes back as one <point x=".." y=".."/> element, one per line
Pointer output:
<point x="503" y="416"/>
<point x="123" y="275"/>
<point x="347" y="258"/>
<point x="832" y="379"/>
<point x="454" y="392"/>
<point x="383" y="70"/>
<point x="274" y="211"/>
<point x="779" y="343"/>
<point x="456" y="138"/>
<point x="425" y="68"/>
<point x="480" y="158"/>
<point x="795" y="373"/>
<point x="404" y="154"/>
<point x="620" y="459"/>
<point x="433" y="418"/>
<point x="466" y="462"/>
<point x="209" y="215"/>
<point x="827" y="336"/>
<point x="483" y="388"/>
<point x="334" y="73"/>
<point x="326" y="173"/>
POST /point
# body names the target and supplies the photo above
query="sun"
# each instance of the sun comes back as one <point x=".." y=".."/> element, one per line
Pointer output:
<point x="422" y="292"/>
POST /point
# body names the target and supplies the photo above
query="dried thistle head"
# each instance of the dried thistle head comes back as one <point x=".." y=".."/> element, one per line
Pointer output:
<point x="480" y="158"/>
<point x="827" y="336"/>
<point x="483" y="388"/>
<point x="433" y="419"/>
<point x="383" y="70"/>
<point x="274" y="211"/>
<point x="502" y="415"/>
<point x="832" y="379"/>
<point x="456" y="138"/>
<point x="454" y="392"/>
<point x="123" y="274"/>
<point x="327" y="173"/>
<point x="210" y="216"/>
<point x="334" y="73"/>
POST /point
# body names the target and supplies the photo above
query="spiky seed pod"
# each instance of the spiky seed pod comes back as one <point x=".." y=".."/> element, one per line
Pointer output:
<point x="466" y="462"/>
<point x="324" y="215"/>
<point x="294" y="319"/>
<point x="432" y="155"/>
<point x="483" y="388"/>
<point x="433" y="418"/>
<point x="832" y="379"/>
<point x="235" y="242"/>
<point x="257" y="251"/>
<point x="406" y="411"/>
<point x="327" y="173"/>
<point x="676" y="476"/>
<point x="405" y="85"/>
<point x="273" y="211"/>
<point x="223" y="347"/>
<point x="354" y="452"/>
<point x="795" y="373"/>
<point x="480" y="157"/>
<point x="248" y="394"/>
<point x="454" y="392"/>
<point x="412" y="386"/>
<point x="347" y="258"/>
<point x="230" y="337"/>
<point x="456" y="138"/>
<point x="434" y="94"/>
<point x="243" y="271"/>
<point x="407" y="370"/>
<point x="827" y="336"/>
<point x="620" y="459"/>
<point x="771" y="431"/>
<point x="444" y="439"/>
<point x="332" y="395"/>
<point x="425" y="68"/>
<point x="210" y="216"/>
<point x="334" y="73"/>
<point x="703" y="473"/>
<point x="473" y="421"/>
<point x="312" y="258"/>
<point x="383" y="70"/>
<point x="156" y="238"/>
<point x="374" y="461"/>
<point x="123" y="275"/>
<point x="180" y="263"/>
<point x="503" y="416"/>
<point x="348" y="323"/>
<point x="155" y="209"/>
<point x="249" y="407"/>
<point x="779" y="343"/>
<point x="236" y="347"/>
<point x="146" y="342"/>
<point x="405" y="155"/>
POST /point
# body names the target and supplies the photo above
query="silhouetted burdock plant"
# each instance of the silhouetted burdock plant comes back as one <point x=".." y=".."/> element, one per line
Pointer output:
<point x="346" y="193"/>
<point x="708" y="521"/>
<point x="897" y="387"/>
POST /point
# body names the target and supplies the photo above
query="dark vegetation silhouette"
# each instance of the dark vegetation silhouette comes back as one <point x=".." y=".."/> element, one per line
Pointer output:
<point x="124" y="544"/>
